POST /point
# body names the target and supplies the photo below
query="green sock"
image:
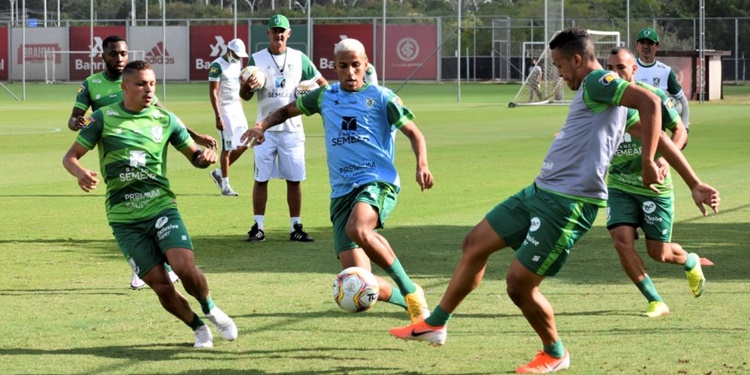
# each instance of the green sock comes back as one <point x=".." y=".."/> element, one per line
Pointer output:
<point x="690" y="263"/>
<point x="438" y="317"/>
<point x="556" y="350"/>
<point x="648" y="289"/>
<point x="396" y="297"/>
<point x="397" y="273"/>
<point x="207" y="305"/>
<point x="196" y="322"/>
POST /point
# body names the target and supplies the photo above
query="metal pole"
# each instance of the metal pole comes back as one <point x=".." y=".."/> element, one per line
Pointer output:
<point x="58" y="13"/>
<point x="23" y="52"/>
<point x="11" y="13"/>
<point x="163" y="50"/>
<point x="235" y="17"/>
<point x="309" y="28"/>
<point x="736" y="51"/>
<point x="91" y="34"/>
<point x="45" y="13"/>
<point x="458" y="55"/>
<point x="132" y="12"/>
<point x="382" y="50"/>
<point x="627" y="27"/>
<point x="145" y="16"/>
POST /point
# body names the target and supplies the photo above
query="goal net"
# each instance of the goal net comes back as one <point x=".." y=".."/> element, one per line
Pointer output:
<point x="75" y="66"/>
<point x="541" y="84"/>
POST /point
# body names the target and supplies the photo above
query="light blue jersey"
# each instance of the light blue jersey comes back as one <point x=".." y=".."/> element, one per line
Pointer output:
<point x="359" y="132"/>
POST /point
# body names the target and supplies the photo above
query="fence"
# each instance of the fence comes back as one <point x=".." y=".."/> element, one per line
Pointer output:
<point x="414" y="48"/>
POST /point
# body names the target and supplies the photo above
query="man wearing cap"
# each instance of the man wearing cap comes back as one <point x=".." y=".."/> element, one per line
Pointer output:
<point x="656" y="73"/>
<point x="282" y="155"/>
<point x="224" y="91"/>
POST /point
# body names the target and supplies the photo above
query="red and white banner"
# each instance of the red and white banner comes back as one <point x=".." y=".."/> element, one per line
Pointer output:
<point x="409" y="50"/>
<point x="82" y="64"/>
<point x="326" y="37"/>
<point x="209" y="42"/>
<point x="4" y="63"/>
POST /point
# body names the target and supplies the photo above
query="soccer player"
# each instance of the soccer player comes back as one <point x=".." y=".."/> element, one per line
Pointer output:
<point x="544" y="220"/>
<point x="283" y="153"/>
<point x="535" y="80"/>
<point x="360" y="121"/>
<point x="132" y="137"/>
<point x="656" y="73"/>
<point x="631" y="205"/>
<point x="224" y="91"/>
<point x="104" y="88"/>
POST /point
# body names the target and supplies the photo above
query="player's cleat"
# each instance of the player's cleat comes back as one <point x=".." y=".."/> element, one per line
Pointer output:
<point x="173" y="277"/>
<point x="544" y="363"/>
<point x="657" y="309"/>
<point x="203" y="337"/>
<point x="227" y="191"/>
<point x="136" y="283"/>
<point x="416" y="305"/>
<point x="256" y="234"/>
<point x="422" y="331"/>
<point x="300" y="235"/>
<point x="695" y="277"/>
<point x="216" y="177"/>
<point x="223" y="323"/>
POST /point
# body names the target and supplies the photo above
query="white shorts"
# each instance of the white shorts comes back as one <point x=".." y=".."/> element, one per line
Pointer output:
<point x="282" y="155"/>
<point x="235" y="124"/>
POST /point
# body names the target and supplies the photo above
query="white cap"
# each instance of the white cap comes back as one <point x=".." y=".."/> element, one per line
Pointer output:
<point x="238" y="47"/>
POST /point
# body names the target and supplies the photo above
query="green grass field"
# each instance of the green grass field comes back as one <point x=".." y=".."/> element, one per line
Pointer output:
<point x="66" y="308"/>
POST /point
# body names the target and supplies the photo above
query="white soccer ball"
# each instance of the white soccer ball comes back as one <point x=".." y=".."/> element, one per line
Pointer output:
<point x="304" y="87"/>
<point x="254" y="71"/>
<point x="355" y="289"/>
<point x="676" y="104"/>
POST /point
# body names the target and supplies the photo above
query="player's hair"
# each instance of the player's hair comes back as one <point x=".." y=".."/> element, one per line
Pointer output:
<point x="617" y="50"/>
<point x="135" y="66"/>
<point x="112" y="39"/>
<point x="574" y="41"/>
<point x="350" y="45"/>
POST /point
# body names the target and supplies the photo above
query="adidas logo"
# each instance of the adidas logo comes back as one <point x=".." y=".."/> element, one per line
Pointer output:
<point x="159" y="55"/>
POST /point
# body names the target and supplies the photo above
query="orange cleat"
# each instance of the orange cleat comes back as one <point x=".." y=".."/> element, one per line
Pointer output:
<point x="422" y="331"/>
<point x="544" y="363"/>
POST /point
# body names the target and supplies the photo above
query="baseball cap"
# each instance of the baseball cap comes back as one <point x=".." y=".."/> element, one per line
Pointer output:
<point x="238" y="47"/>
<point x="278" y="20"/>
<point x="648" y="33"/>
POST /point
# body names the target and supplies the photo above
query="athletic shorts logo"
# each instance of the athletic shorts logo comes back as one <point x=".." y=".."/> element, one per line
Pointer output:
<point x="160" y="222"/>
<point x="649" y="207"/>
<point x="535" y="223"/>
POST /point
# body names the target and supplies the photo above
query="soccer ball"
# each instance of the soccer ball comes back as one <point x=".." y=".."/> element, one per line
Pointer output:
<point x="355" y="289"/>
<point x="254" y="71"/>
<point x="304" y="87"/>
<point x="675" y="104"/>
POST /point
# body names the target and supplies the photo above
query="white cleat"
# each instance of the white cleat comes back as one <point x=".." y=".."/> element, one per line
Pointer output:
<point x="223" y="323"/>
<point x="136" y="283"/>
<point x="203" y="337"/>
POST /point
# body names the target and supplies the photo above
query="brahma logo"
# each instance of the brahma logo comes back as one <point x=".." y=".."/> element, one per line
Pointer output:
<point x="35" y="53"/>
<point x="407" y="49"/>
<point x="159" y="55"/>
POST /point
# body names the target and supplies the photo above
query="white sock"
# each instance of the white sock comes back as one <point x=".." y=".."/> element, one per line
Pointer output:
<point x="259" y="221"/>
<point x="294" y="220"/>
<point x="224" y="182"/>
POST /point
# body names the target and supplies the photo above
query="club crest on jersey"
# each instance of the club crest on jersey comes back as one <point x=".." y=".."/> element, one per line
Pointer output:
<point x="214" y="70"/>
<point x="370" y="102"/>
<point x="657" y="81"/>
<point x="607" y="78"/>
<point x="81" y="89"/>
<point x="87" y="122"/>
<point x="157" y="133"/>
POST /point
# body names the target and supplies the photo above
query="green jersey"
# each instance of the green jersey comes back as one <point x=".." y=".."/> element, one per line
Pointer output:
<point x="625" y="170"/>
<point x="98" y="90"/>
<point x="133" y="158"/>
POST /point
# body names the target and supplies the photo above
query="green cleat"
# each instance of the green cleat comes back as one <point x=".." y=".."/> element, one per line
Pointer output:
<point x="657" y="309"/>
<point x="695" y="277"/>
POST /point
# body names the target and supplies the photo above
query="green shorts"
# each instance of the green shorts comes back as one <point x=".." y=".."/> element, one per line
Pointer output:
<point x="380" y="195"/>
<point x="144" y="243"/>
<point x="542" y="227"/>
<point x="654" y="215"/>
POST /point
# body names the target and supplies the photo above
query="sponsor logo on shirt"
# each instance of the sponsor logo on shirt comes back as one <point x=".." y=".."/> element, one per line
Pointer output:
<point x="608" y="78"/>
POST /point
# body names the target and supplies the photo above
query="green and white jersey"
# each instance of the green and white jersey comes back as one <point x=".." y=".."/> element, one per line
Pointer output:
<point x="228" y="76"/>
<point x="659" y="75"/>
<point x="626" y="168"/>
<point x="283" y="73"/>
<point x="97" y="91"/>
<point x="133" y="158"/>
<point x="577" y="161"/>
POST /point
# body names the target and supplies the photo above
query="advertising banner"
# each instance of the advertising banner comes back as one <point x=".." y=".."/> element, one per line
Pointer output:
<point x="85" y="57"/>
<point x="409" y="50"/>
<point x="207" y="43"/>
<point x="170" y="56"/>
<point x="326" y="37"/>
<point x="4" y="54"/>
<point x="38" y="42"/>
